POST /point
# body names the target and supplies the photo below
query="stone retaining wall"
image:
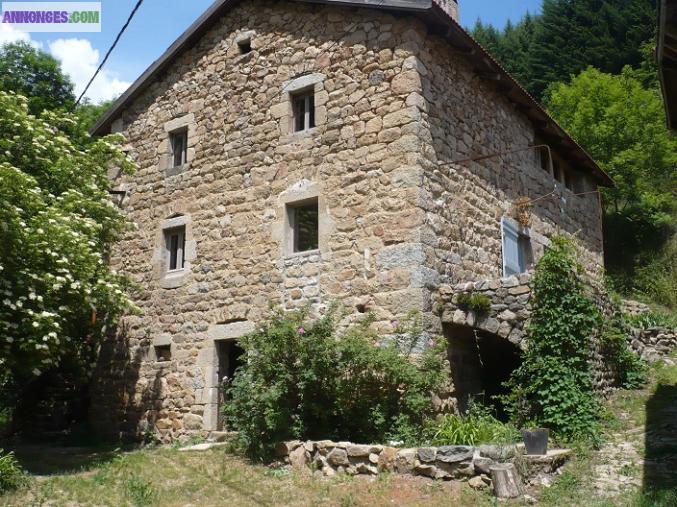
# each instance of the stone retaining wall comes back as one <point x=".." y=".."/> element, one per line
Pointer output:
<point x="654" y="343"/>
<point x="451" y="462"/>
<point x="631" y="307"/>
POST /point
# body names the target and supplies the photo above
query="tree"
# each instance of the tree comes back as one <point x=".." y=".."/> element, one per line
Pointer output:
<point x="621" y="123"/>
<point x="570" y="35"/>
<point x="57" y="292"/>
<point x="512" y="47"/>
<point x="35" y="74"/>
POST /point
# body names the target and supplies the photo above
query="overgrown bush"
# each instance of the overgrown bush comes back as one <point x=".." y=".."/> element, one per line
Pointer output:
<point x="553" y="385"/>
<point x="478" y="426"/>
<point x="306" y="380"/>
<point x="631" y="370"/>
<point x="11" y="474"/>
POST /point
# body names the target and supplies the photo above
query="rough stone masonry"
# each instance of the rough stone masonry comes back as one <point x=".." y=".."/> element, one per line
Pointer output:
<point x="358" y="115"/>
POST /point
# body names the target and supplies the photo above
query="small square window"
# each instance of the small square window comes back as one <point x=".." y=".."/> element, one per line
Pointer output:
<point x="175" y="246"/>
<point x="304" y="226"/>
<point x="245" y="46"/>
<point x="568" y="180"/>
<point x="178" y="141"/>
<point x="163" y="353"/>
<point x="303" y="105"/>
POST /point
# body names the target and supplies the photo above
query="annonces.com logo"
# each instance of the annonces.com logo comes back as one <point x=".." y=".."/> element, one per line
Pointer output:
<point x="53" y="16"/>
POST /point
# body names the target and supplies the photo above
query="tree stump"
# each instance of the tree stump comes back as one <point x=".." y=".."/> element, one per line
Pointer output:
<point x="506" y="480"/>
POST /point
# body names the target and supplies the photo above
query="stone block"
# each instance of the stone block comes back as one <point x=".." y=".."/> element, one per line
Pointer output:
<point x="427" y="454"/>
<point x="338" y="457"/>
<point x="453" y="453"/>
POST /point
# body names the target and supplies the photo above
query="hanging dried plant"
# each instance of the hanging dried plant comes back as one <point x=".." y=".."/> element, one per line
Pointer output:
<point x="522" y="210"/>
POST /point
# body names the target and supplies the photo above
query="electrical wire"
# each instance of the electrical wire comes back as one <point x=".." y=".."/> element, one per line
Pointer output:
<point x="110" y="50"/>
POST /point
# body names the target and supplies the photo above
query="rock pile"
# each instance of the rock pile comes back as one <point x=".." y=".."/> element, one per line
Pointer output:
<point x="653" y="344"/>
<point x="449" y="462"/>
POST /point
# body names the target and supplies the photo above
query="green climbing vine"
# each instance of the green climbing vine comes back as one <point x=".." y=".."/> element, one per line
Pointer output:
<point x="553" y="385"/>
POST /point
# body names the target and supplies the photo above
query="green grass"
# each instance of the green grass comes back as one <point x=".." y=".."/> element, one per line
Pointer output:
<point x="167" y="477"/>
<point x="164" y="476"/>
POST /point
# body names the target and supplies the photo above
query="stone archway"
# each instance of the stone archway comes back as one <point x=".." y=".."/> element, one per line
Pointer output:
<point x="480" y="364"/>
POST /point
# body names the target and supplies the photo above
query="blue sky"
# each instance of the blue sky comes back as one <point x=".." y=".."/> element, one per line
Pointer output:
<point x="159" y="22"/>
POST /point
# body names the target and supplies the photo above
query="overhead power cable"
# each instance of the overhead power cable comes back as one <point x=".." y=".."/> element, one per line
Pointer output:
<point x="110" y="50"/>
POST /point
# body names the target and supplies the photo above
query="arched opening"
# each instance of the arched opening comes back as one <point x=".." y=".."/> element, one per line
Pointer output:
<point x="481" y="363"/>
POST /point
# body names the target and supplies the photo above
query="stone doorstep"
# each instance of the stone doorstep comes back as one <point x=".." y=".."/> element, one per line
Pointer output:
<point x="203" y="447"/>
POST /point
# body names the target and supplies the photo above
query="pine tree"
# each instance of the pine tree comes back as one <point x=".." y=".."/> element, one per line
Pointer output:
<point x="568" y="37"/>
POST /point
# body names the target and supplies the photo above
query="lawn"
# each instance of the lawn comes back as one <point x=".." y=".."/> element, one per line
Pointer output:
<point x="167" y="477"/>
<point x="639" y="452"/>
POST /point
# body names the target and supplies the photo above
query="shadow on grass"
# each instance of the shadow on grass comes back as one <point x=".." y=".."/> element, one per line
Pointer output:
<point x="42" y="457"/>
<point x="660" y="464"/>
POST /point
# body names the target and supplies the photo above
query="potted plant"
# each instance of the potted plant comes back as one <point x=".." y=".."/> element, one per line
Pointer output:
<point x="535" y="440"/>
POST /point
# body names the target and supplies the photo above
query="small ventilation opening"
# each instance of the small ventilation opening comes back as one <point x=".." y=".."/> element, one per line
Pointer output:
<point x="163" y="353"/>
<point x="245" y="46"/>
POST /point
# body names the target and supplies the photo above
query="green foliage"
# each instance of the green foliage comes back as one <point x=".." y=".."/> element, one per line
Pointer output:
<point x="567" y="37"/>
<point x="11" y="474"/>
<point x="479" y="303"/>
<point x="306" y="380"/>
<point x="89" y="113"/>
<point x="57" y="292"/>
<point x="36" y="74"/>
<point x="622" y="125"/>
<point x="553" y="385"/>
<point x="141" y="493"/>
<point x="652" y="319"/>
<point x="478" y="426"/>
<point x="631" y="370"/>
<point x="656" y="277"/>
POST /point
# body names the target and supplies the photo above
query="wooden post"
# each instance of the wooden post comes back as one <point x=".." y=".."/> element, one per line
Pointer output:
<point x="506" y="480"/>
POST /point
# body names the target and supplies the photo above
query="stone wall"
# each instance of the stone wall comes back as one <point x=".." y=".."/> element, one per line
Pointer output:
<point x="464" y="202"/>
<point x="509" y="309"/>
<point x="244" y="167"/>
<point x="653" y="344"/>
<point x="391" y="101"/>
<point x="634" y="308"/>
<point x="451" y="462"/>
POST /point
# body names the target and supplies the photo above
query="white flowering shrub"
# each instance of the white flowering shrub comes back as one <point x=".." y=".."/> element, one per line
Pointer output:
<point x="57" y="224"/>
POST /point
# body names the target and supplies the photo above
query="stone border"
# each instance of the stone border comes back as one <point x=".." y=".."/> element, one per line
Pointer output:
<point x="653" y="344"/>
<point x="450" y="462"/>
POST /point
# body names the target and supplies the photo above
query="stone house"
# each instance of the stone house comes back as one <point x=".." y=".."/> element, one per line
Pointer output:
<point x="304" y="152"/>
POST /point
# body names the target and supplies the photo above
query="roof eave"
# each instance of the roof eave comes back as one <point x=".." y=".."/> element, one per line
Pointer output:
<point x="428" y="9"/>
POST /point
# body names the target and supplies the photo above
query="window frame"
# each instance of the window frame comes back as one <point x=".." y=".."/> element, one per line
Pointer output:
<point x="181" y="133"/>
<point x="180" y="233"/>
<point x="294" y="227"/>
<point x="522" y="240"/>
<point x="306" y="97"/>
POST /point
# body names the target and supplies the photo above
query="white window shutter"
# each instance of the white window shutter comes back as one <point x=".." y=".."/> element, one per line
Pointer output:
<point x="511" y="250"/>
